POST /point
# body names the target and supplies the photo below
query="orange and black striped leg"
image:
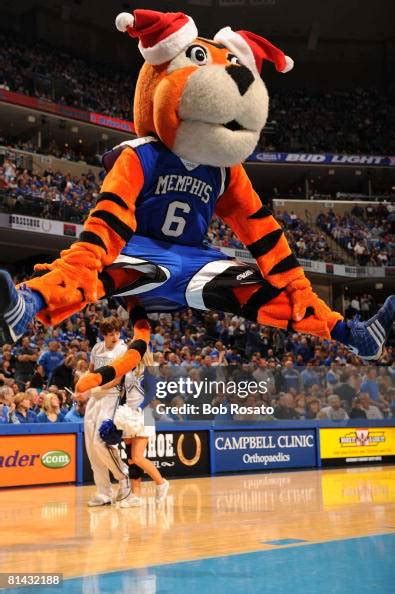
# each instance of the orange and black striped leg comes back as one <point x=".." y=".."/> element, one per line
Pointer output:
<point x="128" y="361"/>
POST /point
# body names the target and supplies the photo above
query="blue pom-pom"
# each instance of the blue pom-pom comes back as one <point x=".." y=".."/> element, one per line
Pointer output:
<point x="109" y="433"/>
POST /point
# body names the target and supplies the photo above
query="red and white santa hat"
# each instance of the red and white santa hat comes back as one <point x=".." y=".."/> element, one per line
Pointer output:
<point x="252" y="50"/>
<point x="162" y="35"/>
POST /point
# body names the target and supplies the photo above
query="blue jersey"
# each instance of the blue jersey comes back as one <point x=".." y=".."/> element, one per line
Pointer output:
<point x="178" y="199"/>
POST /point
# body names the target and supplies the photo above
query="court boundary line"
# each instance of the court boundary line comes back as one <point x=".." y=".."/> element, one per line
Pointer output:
<point x="256" y="551"/>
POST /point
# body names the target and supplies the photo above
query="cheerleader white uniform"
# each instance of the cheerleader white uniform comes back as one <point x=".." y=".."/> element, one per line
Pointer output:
<point x="98" y="410"/>
<point x="137" y="400"/>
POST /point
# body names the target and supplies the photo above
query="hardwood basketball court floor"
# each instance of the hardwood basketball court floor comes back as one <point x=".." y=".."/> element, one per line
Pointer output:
<point x="320" y="531"/>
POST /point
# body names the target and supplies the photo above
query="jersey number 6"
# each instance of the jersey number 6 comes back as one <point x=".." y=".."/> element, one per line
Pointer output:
<point x="174" y="225"/>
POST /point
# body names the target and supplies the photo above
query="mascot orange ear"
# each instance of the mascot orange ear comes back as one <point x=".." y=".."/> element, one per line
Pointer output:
<point x="252" y="50"/>
<point x="162" y="35"/>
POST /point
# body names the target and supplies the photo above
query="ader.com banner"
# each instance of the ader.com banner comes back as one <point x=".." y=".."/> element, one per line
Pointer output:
<point x="260" y="450"/>
<point x="37" y="459"/>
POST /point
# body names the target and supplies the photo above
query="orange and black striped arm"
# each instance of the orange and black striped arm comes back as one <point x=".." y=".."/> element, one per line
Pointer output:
<point x="112" y="222"/>
<point x="128" y="361"/>
<point x="241" y="208"/>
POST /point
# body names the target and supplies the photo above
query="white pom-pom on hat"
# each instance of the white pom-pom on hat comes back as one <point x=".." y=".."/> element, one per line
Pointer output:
<point x="162" y="35"/>
<point x="253" y="50"/>
<point x="289" y="65"/>
<point x="123" y="21"/>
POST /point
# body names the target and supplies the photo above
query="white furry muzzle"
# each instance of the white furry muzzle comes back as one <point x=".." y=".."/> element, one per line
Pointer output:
<point x="219" y="125"/>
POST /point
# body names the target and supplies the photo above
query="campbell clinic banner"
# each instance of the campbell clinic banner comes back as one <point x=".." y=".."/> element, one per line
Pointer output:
<point x="260" y="450"/>
<point x="352" y="445"/>
<point x="37" y="459"/>
<point x="313" y="159"/>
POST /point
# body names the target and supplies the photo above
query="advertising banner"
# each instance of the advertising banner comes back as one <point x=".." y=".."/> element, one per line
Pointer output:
<point x="174" y="453"/>
<point x="313" y="159"/>
<point x="50" y="227"/>
<point x="261" y="450"/>
<point x="180" y="453"/>
<point x="66" y="111"/>
<point x="37" y="459"/>
<point x="353" y="445"/>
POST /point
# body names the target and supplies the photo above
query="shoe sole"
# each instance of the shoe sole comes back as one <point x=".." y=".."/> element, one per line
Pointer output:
<point x="378" y="355"/>
<point x="375" y="357"/>
<point x="98" y="504"/>
<point x="5" y="304"/>
<point x="5" y="299"/>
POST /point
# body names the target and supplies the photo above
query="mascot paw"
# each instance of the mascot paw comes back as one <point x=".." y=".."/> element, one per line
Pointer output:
<point x="89" y="381"/>
<point x="301" y="297"/>
<point x="311" y="325"/>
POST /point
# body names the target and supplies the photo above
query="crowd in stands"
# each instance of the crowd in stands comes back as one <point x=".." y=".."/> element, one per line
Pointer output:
<point x="346" y="121"/>
<point x="306" y="377"/>
<point x="305" y="241"/>
<point x="367" y="233"/>
<point x="52" y="74"/>
<point x="52" y="148"/>
<point x="52" y="195"/>
<point x="362" y="305"/>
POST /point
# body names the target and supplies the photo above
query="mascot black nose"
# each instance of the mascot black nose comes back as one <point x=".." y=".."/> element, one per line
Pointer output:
<point x="242" y="77"/>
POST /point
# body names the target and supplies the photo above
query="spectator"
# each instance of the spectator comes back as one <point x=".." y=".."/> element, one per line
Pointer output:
<point x="334" y="410"/>
<point x="26" y="359"/>
<point x="80" y="369"/>
<point x="38" y="378"/>
<point x="22" y="413"/>
<point x="371" y="411"/>
<point x="313" y="408"/>
<point x="4" y="409"/>
<point x="300" y="405"/>
<point x="36" y="400"/>
<point x="76" y="413"/>
<point x="290" y="377"/>
<point x="370" y="385"/>
<point x="51" y="412"/>
<point x="344" y="390"/>
<point x="51" y="358"/>
<point x="357" y="412"/>
<point x="309" y="377"/>
<point x="285" y="408"/>
<point x="63" y="375"/>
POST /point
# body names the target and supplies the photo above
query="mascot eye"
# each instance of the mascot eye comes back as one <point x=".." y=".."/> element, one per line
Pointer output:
<point x="234" y="59"/>
<point x="197" y="54"/>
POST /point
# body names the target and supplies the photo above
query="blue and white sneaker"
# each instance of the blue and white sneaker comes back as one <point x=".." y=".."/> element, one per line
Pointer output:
<point x="367" y="339"/>
<point x="17" y="308"/>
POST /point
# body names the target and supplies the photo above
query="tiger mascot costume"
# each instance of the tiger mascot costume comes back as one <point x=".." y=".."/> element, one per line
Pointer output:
<point x="199" y="108"/>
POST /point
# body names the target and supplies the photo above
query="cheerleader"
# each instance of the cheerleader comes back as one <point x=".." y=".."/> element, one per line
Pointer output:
<point x="139" y="392"/>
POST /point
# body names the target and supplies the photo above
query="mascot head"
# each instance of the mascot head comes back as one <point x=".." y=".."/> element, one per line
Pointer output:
<point x="204" y="99"/>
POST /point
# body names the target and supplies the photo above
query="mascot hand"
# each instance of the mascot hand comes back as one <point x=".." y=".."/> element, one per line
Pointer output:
<point x="126" y="362"/>
<point x="77" y="271"/>
<point x="303" y="297"/>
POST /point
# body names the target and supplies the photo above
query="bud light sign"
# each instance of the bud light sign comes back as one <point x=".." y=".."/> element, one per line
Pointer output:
<point x="261" y="450"/>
